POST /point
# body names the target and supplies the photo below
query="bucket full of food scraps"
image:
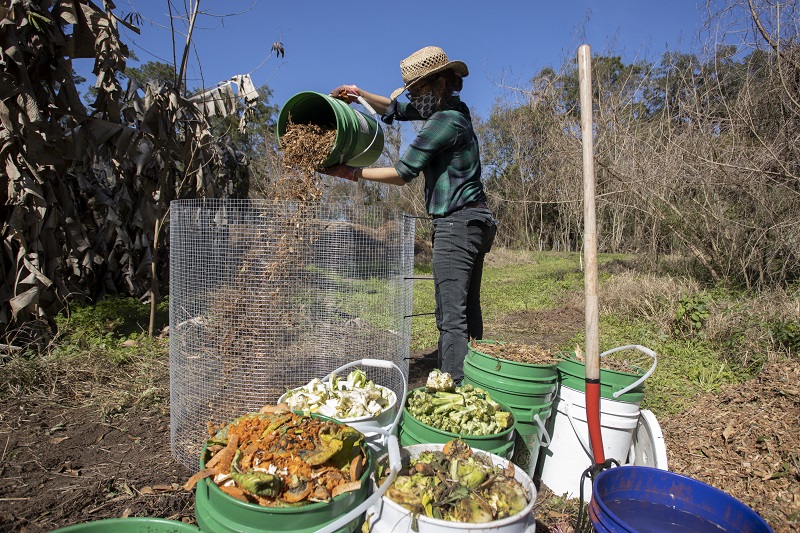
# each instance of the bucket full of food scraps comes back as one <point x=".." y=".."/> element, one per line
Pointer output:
<point x="359" y="137"/>
<point x="355" y="400"/>
<point x="130" y="525"/>
<point x="524" y="378"/>
<point x="479" y="492"/>
<point x="279" y="471"/>
<point x="629" y="499"/>
<point x="440" y="412"/>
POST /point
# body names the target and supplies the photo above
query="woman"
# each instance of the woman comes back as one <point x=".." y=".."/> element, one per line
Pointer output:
<point x="446" y="153"/>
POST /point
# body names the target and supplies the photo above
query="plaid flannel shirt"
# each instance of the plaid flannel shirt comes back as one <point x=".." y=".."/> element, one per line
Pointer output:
<point x="446" y="152"/>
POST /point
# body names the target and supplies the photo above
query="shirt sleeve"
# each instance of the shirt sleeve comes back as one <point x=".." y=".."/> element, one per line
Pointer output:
<point x="400" y="111"/>
<point x="438" y="133"/>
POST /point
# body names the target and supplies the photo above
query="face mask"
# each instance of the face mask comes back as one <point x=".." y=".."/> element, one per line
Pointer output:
<point x="425" y="104"/>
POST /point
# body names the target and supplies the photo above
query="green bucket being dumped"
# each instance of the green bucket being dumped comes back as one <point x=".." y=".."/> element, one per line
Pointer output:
<point x="359" y="137"/>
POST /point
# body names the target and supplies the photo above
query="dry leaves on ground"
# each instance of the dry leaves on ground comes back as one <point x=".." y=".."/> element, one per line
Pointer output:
<point x="746" y="441"/>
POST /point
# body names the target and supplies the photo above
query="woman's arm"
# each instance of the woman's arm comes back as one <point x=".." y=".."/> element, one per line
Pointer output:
<point x="350" y="94"/>
<point x="387" y="175"/>
<point x="379" y="103"/>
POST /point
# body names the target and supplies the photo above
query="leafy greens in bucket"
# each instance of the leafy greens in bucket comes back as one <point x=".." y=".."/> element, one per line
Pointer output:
<point x="457" y="485"/>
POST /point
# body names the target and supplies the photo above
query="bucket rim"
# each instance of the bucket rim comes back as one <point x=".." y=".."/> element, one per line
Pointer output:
<point x="131" y="520"/>
<point x="568" y="359"/>
<point x="351" y="420"/>
<point x="541" y="366"/>
<point x="675" y="476"/>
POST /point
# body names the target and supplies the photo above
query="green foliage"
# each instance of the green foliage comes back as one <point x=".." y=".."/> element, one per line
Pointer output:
<point x="686" y="366"/>
<point x="155" y="72"/>
<point x="505" y="289"/>
<point x="691" y="313"/>
<point x="102" y="327"/>
<point x="786" y="334"/>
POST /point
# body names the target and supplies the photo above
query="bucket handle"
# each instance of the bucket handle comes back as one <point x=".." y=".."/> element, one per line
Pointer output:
<point x="646" y="375"/>
<point x="543" y="433"/>
<point x="584" y="444"/>
<point x="395" y="463"/>
<point x="369" y="108"/>
<point x="379" y="363"/>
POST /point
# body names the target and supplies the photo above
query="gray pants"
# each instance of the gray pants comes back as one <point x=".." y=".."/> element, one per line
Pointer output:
<point x="460" y="242"/>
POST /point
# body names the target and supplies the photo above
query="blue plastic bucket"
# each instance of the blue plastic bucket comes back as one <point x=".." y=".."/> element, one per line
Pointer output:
<point x="632" y="499"/>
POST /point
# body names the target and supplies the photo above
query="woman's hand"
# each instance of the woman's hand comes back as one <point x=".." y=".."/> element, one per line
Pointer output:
<point x="348" y="93"/>
<point x="341" y="171"/>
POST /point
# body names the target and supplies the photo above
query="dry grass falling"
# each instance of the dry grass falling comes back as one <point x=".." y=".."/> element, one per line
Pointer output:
<point x="305" y="148"/>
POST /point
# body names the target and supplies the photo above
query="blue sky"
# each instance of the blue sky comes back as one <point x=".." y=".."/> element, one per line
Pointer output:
<point x="333" y="42"/>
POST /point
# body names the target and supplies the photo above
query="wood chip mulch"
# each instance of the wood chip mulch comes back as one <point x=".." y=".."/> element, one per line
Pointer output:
<point x="746" y="442"/>
<point x="520" y="353"/>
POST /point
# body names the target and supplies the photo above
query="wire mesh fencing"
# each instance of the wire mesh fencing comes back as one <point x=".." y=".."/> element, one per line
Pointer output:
<point x="265" y="297"/>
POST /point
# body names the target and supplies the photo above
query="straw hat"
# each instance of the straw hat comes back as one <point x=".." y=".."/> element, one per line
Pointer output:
<point x="425" y="62"/>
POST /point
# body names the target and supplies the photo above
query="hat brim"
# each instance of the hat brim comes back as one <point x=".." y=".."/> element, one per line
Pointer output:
<point x="459" y="67"/>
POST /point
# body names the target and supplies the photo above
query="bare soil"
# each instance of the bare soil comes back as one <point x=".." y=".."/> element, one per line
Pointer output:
<point x="64" y="461"/>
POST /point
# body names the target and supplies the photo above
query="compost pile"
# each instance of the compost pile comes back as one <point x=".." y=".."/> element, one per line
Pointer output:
<point x="457" y="485"/>
<point x="465" y="410"/>
<point x="279" y="459"/>
<point x="263" y="288"/>
<point x="342" y="399"/>
<point x="519" y="353"/>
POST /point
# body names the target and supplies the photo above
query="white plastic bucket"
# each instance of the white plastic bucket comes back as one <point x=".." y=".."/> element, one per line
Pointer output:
<point x="570" y="450"/>
<point x="387" y="516"/>
<point x="375" y="428"/>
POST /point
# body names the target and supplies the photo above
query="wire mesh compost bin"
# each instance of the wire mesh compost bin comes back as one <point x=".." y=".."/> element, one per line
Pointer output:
<point x="265" y="297"/>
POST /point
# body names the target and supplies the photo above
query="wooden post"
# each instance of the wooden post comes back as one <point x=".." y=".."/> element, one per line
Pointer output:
<point x="592" y="348"/>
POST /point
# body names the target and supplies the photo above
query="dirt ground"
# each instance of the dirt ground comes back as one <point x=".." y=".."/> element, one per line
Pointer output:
<point x="63" y="461"/>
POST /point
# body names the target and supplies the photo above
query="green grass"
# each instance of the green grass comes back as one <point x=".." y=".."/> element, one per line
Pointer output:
<point x="689" y="364"/>
<point x="686" y="367"/>
<point x="100" y="329"/>
<point x="537" y="284"/>
<point x="691" y="361"/>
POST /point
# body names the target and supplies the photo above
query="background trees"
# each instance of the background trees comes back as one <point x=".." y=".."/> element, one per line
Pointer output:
<point x="696" y="155"/>
<point x="88" y="190"/>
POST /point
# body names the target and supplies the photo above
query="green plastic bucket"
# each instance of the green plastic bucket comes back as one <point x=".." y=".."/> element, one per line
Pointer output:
<point x="130" y="525"/>
<point x="511" y="371"/>
<point x="359" y="137"/>
<point x="531" y="438"/>
<point x="218" y="512"/>
<point x="614" y="384"/>
<point x="413" y="431"/>
<point x="523" y="398"/>
<point x="527" y="389"/>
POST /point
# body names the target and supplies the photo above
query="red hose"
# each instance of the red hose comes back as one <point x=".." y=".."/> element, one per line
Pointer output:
<point x="593" y="419"/>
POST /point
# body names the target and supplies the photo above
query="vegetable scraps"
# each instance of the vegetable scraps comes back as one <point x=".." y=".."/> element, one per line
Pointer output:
<point x="279" y="459"/>
<point x="465" y="410"/>
<point x="457" y="485"/>
<point x="342" y="399"/>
